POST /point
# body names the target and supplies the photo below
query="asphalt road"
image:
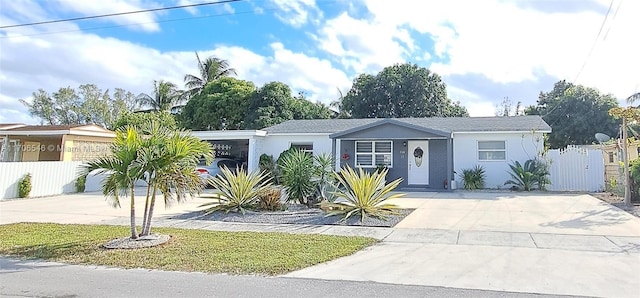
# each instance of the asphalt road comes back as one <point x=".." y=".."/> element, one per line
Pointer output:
<point x="44" y="279"/>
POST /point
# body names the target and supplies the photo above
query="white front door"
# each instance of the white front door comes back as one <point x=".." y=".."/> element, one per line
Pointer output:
<point x="418" y="163"/>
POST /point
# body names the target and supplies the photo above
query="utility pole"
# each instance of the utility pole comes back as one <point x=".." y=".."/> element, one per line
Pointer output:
<point x="625" y="153"/>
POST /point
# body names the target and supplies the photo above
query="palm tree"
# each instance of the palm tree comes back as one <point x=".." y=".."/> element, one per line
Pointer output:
<point x="121" y="170"/>
<point x="169" y="158"/>
<point x="164" y="158"/>
<point x="165" y="96"/>
<point x="210" y="70"/>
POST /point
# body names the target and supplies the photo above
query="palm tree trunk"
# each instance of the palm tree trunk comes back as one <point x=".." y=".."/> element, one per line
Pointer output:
<point x="146" y="230"/>
<point x="134" y="234"/>
<point x="146" y="207"/>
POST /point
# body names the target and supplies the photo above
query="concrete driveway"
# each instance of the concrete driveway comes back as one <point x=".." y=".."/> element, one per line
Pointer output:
<point x="84" y="208"/>
<point x="533" y="243"/>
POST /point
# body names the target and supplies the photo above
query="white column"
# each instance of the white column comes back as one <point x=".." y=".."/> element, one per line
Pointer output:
<point x="338" y="156"/>
<point x="255" y="150"/>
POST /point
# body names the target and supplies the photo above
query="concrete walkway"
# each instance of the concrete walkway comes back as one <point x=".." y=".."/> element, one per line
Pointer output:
<point x="532" y="243"/>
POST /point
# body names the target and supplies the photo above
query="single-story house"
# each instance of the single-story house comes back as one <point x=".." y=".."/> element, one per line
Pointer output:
<point x="21" y="142"/>
<point x="427" y="153"/>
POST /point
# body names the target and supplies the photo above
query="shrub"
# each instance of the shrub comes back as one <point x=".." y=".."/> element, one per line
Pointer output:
<point x="296" y="173"/>
<point x="363" y="193"/>
<point x="81" y="183"/>
<point x="473" y="178"/>
<point x="534" y="173"/>
<point x="235" y="190"/>
<point x="24" y="186"/>
<point x="271" y="198"/>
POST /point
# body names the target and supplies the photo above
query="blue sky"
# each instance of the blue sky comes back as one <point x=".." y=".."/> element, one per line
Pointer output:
<point x="484" y="50"/>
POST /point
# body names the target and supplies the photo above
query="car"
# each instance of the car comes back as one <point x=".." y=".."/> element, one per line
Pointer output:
<point x="214" y="169"/>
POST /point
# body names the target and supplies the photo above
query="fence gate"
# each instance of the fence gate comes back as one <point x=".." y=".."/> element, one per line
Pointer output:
<point x="576" y="169"/>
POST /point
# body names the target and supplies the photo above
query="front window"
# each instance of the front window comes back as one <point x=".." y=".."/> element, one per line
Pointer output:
<point x="308" y="148"/>
<point x="492" y="150"/>
<point x="370" y="154"/>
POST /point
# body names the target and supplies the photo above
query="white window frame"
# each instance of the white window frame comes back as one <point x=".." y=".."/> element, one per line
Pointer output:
<point x="478" y="150"/>
<point x="373" y="154"/>
<point x="310" y="151"/>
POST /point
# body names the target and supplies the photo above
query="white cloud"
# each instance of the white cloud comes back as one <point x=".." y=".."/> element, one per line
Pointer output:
<point x="509" y="43"/>
<point x="363" y="45"/>
<point x="315" y="76"/>
<point x="297" y="12"/>
<point x="54" y="61"/>
<point x="145" y="21"/>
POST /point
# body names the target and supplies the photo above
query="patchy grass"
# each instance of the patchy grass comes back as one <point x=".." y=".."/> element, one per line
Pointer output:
<point x="188" y="250"/>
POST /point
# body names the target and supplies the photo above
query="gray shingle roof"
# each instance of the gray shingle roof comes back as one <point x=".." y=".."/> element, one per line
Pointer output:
<point x="451" y="124"/>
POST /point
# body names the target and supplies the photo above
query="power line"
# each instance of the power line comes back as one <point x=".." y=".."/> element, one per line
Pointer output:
<point x="606" y="16"/>
<point x="132" y="24"/>
<point x="584" y="64"/>
<point x="118" y="14"/>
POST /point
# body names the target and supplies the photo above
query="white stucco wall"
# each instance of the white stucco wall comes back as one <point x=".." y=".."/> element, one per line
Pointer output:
<point x="275" y="144"/>
<point x="519" y="146"/>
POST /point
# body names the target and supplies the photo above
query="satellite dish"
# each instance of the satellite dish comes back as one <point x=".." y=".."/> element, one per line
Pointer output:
<point x="602" y="137"/>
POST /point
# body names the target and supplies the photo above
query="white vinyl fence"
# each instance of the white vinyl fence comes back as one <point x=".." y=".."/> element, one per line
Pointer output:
<point x="576" y="169"/>
<point x="47" y="178"/>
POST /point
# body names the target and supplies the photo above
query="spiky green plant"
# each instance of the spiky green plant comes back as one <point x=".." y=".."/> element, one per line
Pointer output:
<point x="323" y="177"/>
<point x="363" y="193"/>
<point x="473" y="178"/>
<point x="296" y="173"/>
<point x="235" y="190"/>
<point x="533" y="174"/>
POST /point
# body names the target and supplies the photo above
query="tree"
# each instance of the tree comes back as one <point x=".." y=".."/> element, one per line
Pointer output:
<point x="87" y="105"/>
<point x="269" y="105"/>
<point x="401" y="90"/>
<point x="164" y="158"/>
<point x="138" y="119"/>
<point x="165" y="96"/>
<point x="222" y="104"/>
<point x="575" y="114"/>
<point x="302" y="108"/>
<point x="210" y="70"/>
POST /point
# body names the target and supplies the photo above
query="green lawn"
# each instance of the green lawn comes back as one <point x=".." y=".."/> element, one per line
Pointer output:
<point x="188" y="250"/>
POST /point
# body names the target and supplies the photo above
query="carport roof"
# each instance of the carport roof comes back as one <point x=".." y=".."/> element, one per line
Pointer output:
<point x="450" y="124"/>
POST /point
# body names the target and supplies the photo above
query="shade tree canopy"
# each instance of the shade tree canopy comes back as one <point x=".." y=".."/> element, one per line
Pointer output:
<point x="401" y="90"/>
<point x="575" y="113"/>
<point x="87" y="104"/>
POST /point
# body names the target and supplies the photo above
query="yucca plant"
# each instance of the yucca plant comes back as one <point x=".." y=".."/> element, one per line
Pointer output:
<point x="473" y="178"/>
<point x="235" y="191"/>
<point x="323" y="177"/>
<point x="363" y="193"/>
<point x="296" y="173"/>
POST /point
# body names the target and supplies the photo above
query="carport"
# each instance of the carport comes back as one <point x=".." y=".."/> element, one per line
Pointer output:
<point x="242" y="145"/>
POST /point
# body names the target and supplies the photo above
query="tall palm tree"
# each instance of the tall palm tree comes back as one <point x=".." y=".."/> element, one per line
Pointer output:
<point x="164" y="158"/>
<point x="165" y="96"/>
<point x="121" y="170"/>
<point x="170" y="158"/>
<point x="210" y="70"/>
